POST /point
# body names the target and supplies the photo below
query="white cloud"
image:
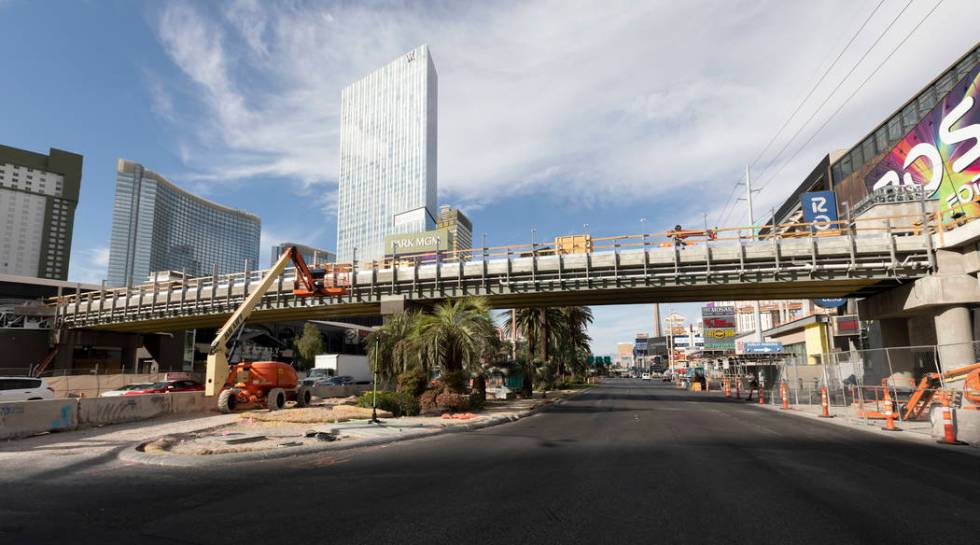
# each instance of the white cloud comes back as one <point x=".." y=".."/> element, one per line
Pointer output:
<point x="636" y="98"/>
<point x="89" y="265"/>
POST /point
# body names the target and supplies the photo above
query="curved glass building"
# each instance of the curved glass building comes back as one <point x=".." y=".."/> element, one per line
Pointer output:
<point x="157" y="226"/>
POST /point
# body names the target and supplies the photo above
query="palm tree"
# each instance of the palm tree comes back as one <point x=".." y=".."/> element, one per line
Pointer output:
<point x="395" y="341"/>
<point x="541" y="326"/>
<point x="457" y="335"/>
<point x="576" y="339"/>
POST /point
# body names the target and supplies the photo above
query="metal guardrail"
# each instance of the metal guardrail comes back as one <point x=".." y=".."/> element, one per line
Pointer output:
<point x="891" y="194"/>
<point x="845" y="251"/>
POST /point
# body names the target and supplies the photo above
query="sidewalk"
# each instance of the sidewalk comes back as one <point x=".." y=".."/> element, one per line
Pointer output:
<point x="919" y="431"/>
<point x="218" y="433"/>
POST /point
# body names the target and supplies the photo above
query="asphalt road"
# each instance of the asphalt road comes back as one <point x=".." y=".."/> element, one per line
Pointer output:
<point x="626" y="462"/>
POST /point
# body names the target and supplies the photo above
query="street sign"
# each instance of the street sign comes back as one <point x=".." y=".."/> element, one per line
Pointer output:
<point x="764" y="348"/>
<point x="830" y="302"/>
<point x="820" y="206"/>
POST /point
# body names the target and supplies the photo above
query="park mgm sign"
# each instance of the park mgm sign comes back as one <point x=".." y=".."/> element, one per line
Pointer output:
<point x="426" y="243"/>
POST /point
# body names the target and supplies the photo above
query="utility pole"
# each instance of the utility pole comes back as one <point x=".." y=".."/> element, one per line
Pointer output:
<point x="657" y="332"/>
<point x="748" y="199"/>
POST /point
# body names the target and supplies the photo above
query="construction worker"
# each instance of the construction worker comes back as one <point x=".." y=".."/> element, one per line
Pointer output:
<point x="678" y="235"/>
<point x="753" y="384"/>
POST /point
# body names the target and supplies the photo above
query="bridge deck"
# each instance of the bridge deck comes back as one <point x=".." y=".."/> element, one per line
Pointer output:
<point x="835" y="266"/>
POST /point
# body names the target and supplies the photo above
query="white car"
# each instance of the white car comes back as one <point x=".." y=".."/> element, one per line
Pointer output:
<point x="24" y="389"/>
<point x="646" y="376"/>
<point x="122" y="390"/>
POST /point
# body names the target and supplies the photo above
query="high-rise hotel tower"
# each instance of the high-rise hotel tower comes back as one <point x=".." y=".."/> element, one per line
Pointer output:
<point x="387" y="155"/>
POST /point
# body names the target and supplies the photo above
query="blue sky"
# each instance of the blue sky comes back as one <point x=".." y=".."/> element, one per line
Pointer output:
<point x="551" y="114"/>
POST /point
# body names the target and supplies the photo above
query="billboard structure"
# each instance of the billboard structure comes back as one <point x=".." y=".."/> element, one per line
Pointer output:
<point x="719" y="328"/>
<point x="940" y="153"/>
<point x="425" y="244"/>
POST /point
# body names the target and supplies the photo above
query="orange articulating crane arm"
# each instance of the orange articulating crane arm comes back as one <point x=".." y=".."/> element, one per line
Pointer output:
<point x="308" y="283"/>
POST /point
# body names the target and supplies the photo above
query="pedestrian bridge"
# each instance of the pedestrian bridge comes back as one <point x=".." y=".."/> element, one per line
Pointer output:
<point x="859" y="261"/>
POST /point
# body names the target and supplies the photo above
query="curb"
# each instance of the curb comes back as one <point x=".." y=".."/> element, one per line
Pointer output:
<point x="133" y="454"/>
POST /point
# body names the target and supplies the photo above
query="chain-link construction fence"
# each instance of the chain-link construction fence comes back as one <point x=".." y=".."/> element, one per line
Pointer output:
<point x="865" y="385"/>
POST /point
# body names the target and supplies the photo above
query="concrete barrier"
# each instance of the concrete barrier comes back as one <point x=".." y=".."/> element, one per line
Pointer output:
<point x="966" y="422"/>
<point x="191" y="402"/>
<point x="342" y="391"/>
<point x="99" y="411"/>
<point x="23" y="418"/>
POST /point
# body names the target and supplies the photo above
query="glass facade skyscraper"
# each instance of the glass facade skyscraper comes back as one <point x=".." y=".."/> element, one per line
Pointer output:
<point x="387" y="181"/>
<point x="157" y="226"/>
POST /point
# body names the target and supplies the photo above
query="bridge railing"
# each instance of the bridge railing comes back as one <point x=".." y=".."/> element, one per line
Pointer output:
<point x="226" y="290"/>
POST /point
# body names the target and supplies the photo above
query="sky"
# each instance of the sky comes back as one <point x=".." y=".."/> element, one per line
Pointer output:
<point x="553" y="115"/>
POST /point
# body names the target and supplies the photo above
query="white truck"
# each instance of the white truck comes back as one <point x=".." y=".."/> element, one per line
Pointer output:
<point x="339" y="365"/>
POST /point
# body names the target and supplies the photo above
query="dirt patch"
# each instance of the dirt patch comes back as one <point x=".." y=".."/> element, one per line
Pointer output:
<point x="314" y="415"/>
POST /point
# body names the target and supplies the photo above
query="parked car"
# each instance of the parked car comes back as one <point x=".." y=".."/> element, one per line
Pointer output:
<point x="127" y="388"/>
<point x="169" y="386"/>
<point x="646" y="376"/>
<point x="24" y="389"/>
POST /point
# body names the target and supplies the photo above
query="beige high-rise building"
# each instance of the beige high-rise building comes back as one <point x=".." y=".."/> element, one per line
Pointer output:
<point x="459" y="226"/>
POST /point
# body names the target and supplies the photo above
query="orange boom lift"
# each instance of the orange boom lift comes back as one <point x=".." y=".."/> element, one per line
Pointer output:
<point x="268" y="383"/>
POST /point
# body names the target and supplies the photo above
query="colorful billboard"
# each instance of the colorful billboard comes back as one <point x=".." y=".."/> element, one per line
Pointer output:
<point x="940" y="153"/>
<point x="719" y="327"/>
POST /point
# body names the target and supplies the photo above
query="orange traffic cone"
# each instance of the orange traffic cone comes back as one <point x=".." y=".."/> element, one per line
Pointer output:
<point x="762" y="400"/>
<point x="824" y="405"/>
<point x="949" y="429"/>
<point x="728" y="388"/>
<point x="889" y="413"/>
<point x="784" y="394"/>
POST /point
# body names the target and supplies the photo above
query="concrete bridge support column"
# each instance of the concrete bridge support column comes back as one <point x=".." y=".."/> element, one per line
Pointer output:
<point x="895" y="339"/>
<point x="954" y="335"/>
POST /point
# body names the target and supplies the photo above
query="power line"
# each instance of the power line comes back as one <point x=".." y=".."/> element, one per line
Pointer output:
<point x="834" y="91"/>
<point x="721" y="215"/>
<point x="813" y="88"/>
<point x="725" y="212"/>
<point x="856" y="90"/>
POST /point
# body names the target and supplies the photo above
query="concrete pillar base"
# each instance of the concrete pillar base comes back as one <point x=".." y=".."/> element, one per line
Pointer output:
<point x="954" y="336"/>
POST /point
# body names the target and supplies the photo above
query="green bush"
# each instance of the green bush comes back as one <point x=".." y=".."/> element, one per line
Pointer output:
<point x="397" y="403"/>
<point x="456" y="381"/>
<point x="413" y="382"/>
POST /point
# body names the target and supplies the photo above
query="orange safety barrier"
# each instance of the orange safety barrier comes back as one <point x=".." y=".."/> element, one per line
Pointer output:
<point x="728" y="388"/>
<point x="824" y="405"/>
<point x="949" y="429"/>
<point x="889" y="413"/>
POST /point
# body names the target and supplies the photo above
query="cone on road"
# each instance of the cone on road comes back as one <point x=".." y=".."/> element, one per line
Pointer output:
<point x="784" y="393"/>
<point x="889" y="413"/>
<point x="824" y="405"/>
<point x="728" y="388"/>
<point x="762" y="400"/>
<point x="949" y="429"/>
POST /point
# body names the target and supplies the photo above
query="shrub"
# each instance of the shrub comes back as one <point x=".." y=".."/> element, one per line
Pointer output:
<point x="413" y="382"/>
<point x="397" y="403"/>
<point x="455" y="381"/>
<point x="453" y="402"/>
<point x="427" y="401"/>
